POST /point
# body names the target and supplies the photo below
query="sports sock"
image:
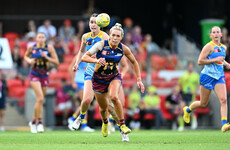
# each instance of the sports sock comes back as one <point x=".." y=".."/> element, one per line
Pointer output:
<point x="111" y="120"/>
<point x="224" y="120"/>
<point x="122" y="122"/>
<point x="105" y="121"/>
<point x="74" y="117"/>
<point x="84" y="123"/>
<point x="119" y="127"/>
<point x="181" y="121"/>
<point x="39" y="120"/>
<point x="33" y="122"/>
<point x="82" y="115"/>
<point x="189" y="110"/>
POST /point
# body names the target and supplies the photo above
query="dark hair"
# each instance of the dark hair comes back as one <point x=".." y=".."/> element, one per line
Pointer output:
<point x="93" y="15"/>
<point x="190" y="62"/>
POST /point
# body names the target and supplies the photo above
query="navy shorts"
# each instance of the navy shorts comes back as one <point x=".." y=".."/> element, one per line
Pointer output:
<point x="209" y="82"/>
<point x="2" y="103"/>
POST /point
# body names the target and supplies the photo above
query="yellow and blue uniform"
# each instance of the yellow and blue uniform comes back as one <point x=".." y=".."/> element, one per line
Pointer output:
<point x="213" y="73"/>
<point x="90" y="41"/>
<point x="103" y="75"/>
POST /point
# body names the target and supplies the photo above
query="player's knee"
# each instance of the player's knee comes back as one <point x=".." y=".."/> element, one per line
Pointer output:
<point x="223" y="100"/>
<point x="87" y="101"/>
<point x="40" y="100"/>
<point x="113" y="98"/>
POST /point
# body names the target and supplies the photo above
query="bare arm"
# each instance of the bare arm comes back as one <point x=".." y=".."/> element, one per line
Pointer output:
<point x="27" y="58"/>
<point x="71" y="73"/>
<point x="125" y="66"/>
<point x="53" y="59"/>
<point x="129" y="55"/>
<point x="204" y="54"/>
<point x="80" y="53"/>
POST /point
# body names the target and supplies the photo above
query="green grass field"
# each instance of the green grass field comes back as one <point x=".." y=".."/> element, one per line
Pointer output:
<point x="143" y="139"/>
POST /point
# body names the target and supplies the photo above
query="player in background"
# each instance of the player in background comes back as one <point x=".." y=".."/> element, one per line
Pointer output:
<point x="39" y="56"/>
<point x="212" y="77"/>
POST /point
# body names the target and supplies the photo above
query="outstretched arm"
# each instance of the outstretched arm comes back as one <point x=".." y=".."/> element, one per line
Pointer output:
<point x="132" y="59"/>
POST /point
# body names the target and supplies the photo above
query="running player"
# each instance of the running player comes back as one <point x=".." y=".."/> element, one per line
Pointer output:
<point x="88" y="40"/>
<point x="212" y="77"/>
<point x="106" y="78"/>
<point x="38" y="56"/>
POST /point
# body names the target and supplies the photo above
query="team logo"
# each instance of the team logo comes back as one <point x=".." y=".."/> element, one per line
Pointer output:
<point x="103" y="52"/>
<point x="88" y="43"/>
<point x="34" y="51"/>
<point x="217" y="50"/>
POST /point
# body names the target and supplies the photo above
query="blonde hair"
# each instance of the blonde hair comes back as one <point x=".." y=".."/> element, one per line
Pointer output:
<point x="117" y="26"/>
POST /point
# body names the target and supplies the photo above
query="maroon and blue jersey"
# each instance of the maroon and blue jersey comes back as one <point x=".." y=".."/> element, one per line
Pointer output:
<point x="41" y="66"/>
<point x="112" y="58"/>
<point x="103" y="75"/>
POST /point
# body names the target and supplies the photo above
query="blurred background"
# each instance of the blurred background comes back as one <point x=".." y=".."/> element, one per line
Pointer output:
<point x="165" y="36"/>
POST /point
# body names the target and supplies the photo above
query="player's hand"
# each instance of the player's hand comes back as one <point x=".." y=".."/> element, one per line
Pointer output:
<point x="75" y="67"/>
<point x="141" y="86"/>
<point x="74" y="85"/>
<point x="101" y="61"/>
<point x="32" y="61"/>
<point x="44" y="54"/>
<point x="227" y="66"/>
<point x="219" y="59"/>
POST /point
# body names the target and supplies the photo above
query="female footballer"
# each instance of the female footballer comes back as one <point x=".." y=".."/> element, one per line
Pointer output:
<point x="39" y="56"/>
<point x="212" y="77"/>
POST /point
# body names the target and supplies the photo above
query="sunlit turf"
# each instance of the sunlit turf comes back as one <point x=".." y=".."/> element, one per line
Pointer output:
<point x="142" y="139"/>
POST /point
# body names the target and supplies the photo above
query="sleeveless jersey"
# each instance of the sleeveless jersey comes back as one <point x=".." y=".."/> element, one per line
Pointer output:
<point x="40" y="68"/>
<point x="112" y="58"/>
<point x="90" y="41"/>
<point x="215" y="70"/>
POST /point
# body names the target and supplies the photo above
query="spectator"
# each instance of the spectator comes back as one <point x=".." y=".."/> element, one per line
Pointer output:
<point x="133" y="109"/>
<point x="128" y="25"/>
<point x="24" y="70"/>
<point x="31" y="27"/>
<point x="80" y="28"/>
<point x="30" y="36"/>
<point x="149" y="45"/>
<point x="59" y="49"/>
<point x="63" y="102"/>
<point x="67" y="31"/>
<point x="174" y="103"/>
<point x="3" y="94"/>
<point x="137" y="35"/>
<point x="151" y="105"/>
<point x="49" y="30"/>
<point x="189" y="84"/>
<point x="128" y="41"/>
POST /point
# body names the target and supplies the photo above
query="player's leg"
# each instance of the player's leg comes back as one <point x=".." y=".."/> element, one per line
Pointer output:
<point x="102" y="99"/>
<point x="204" y="98"/>
<point x="221" y="93"/>
<point x="38" y="108"/>
<point x="2" y="116"/>
<point x="40" y="127"/>
<point x="88" y="95"/>
<point x="113" y="118"/>
<point x="114" y="88"/>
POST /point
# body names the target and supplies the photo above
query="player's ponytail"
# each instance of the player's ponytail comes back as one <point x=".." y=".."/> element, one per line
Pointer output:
<point x="118" y="26"/>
